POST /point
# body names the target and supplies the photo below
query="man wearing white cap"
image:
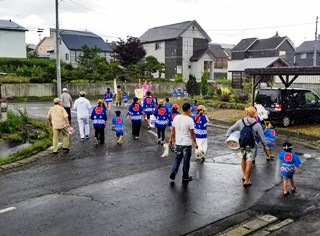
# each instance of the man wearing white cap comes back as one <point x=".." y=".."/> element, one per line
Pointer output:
<point x="66" y="102"/>
<point x="83" y="106"/>
<point x="58" y="120"/>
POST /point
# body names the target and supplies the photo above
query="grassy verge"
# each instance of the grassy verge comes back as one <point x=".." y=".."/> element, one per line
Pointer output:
<point x="34" y="148"/>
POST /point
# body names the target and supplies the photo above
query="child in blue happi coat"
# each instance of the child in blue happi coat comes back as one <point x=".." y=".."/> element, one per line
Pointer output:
<point x="270" y="136"/>
<point x="290" y="163"/>
<point x="161" y="114"/>
<point x="117" y="125"/>
<point x="194" y="108"/>
<point x="168" y="105"/>
<point x="125" y="98"/>
<point x="99" y="117"/>
<point x="201" y="122"/>
<point x="108" y="96"/>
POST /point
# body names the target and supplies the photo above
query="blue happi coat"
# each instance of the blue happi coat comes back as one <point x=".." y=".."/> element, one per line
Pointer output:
<point x="117" y="122"/>
<point x="161" y="115"/>
<point x="168" y="105"/>
<point x="148" y="105"/>
<point x="108" y="97"/>
<point x="135" y="111"/>
<point x="99" y="117"/>
<point x="194" y="109"/>
<point x="289" y="162"/>
<point x="172" y="115"/>
<point x="125" y="98"/>
<point x="200" y="125"/>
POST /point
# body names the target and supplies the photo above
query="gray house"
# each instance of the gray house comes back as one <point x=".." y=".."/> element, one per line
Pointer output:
<point x="259" y="48"/>
<point x="182" y="47"/>
<point x="12" y="40"/>
<point x="305" y="52"/>
<point x="72" y="41"/>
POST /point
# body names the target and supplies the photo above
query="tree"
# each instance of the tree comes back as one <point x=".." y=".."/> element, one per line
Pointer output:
<point x="31" y="53"/>
<point x="193" y="86"/>
<point x="204" y="83"/>
<point x="91" y="63"/>
<point x="130" y="52"/>
<point x="152" y="65"/>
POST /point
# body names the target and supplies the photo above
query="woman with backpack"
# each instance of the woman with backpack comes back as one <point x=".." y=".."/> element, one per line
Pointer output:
<point x="249" y="129"/>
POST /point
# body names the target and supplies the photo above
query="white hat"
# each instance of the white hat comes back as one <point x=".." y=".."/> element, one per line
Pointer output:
<point x="56" y="100"/>
<point x="82" y="93"/>
<point x="64" y="90"/>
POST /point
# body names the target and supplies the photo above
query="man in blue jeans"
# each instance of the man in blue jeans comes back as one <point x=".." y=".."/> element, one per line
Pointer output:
<point x="183" y="133"/>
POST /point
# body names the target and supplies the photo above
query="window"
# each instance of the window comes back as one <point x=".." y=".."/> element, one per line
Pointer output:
<point x="157" y="46"/>
<point x="282" y="54"/>
<point x="67" y="56"/>
<point x="303" y="56"/>
<point x="187" y="47"/>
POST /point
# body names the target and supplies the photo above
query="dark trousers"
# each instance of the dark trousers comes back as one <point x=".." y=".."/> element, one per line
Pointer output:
<point x="99" y="134"/>
<point x="136" y="129"/>
<point x="68" y="110"/>
<point x="161" y="133"/>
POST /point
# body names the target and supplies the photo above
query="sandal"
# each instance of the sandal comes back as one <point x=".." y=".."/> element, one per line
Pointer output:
<point x="286" y="194"/>
<point x="247" y="184"/>
<point x="243" y="180"/>
<point x="293" y="189"/>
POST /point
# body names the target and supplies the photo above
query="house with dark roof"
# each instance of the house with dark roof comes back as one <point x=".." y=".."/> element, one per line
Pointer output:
<point x="72" y="41"/>
<point x="271" y="52"/>
<point x="221" y="60"/>
<point x="182" y="47"/>
<point x="304" y="54"/>
<point x="12" y="40"/>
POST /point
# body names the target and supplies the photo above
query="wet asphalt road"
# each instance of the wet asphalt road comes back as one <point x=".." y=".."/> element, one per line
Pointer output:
<point x="126" y="190"/>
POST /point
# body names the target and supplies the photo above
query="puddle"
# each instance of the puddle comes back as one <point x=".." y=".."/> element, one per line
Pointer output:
<point x="7" y="149"/>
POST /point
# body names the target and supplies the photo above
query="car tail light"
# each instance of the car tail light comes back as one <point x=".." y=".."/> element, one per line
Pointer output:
<point x="277" y="107"/>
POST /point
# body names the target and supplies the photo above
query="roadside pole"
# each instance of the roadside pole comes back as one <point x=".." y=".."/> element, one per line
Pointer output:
<point x="57" y="51"/>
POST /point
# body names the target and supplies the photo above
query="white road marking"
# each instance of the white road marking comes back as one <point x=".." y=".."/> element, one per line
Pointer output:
<point x="7" y="209"/>
<point x="34" y="108"/>
<point x="150" y="131"/>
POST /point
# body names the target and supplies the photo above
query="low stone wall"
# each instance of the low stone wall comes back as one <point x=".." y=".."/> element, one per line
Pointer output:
<point x="92" y="89"/>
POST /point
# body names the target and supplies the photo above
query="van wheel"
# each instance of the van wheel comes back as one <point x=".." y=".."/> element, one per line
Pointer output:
<point x="286" y="121"/>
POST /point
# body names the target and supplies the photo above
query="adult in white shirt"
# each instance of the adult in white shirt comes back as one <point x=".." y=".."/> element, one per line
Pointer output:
<point x="183" y="133"/>
<point x="83" y="106"/>
<point x="66" y="102"/>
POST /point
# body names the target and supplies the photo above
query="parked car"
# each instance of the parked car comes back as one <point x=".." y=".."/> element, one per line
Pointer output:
<point x="286" y="106"/>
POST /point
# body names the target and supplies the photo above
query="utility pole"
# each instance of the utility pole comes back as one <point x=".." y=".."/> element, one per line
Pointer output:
<point x="315" y="44"/>
<point x="57" y="51"/>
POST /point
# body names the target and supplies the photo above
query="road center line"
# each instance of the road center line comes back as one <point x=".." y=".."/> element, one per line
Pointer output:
<point x="7" y="209"/>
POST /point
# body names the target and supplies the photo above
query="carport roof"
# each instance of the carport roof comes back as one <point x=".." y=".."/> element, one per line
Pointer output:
<point x="256" y="63"/>
<point x="287" y="71"/>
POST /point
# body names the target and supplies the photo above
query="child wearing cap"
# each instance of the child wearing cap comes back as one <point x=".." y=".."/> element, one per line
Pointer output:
<point x="270" y="136"/>
<point x="117" y="125"/>
<point x="201" y="122"/>
<point x="161" y="114"/>
<point x="99" y="117"/>
<point x="135" y="112"/>
<point x="290" y="163"/>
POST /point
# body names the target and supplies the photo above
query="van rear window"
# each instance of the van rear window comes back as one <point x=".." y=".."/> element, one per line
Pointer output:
<point x="268" y="98"/>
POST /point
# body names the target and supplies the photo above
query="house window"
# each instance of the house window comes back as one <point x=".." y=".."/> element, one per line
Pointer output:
<point x="207" y="65"/>
<point x="282" y="54"/>
<point x="303" y="56"/>
<point x="157" y="46"/>
<point x="187" y="47"/>
<point x="67" y="56"/>
<point x="189" y="66"/>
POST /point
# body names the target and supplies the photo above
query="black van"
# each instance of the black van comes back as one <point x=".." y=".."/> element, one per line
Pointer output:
<point x="287" y="106"/>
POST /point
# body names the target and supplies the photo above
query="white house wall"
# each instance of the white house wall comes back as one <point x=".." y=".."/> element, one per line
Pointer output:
<point x="302" y="79"/>
<point x="198" y="67"/>
<point x="150" y="49"/>
<point x="63" y="51"/>
<point x="187" y="52"/>
<point x="13" y="44"/>
<point x="231" y="65"/>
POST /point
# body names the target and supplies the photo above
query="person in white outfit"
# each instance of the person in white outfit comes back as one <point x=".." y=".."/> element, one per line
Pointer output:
<point x="83" y="106"/>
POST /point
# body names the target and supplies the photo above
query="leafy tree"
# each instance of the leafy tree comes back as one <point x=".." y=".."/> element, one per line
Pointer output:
<point x="31" y="53"/>
<point x="91" y="62"/>
<point x="204" y="83"/>
<point x="193" y="87"/>
<point x="130" y="52"/>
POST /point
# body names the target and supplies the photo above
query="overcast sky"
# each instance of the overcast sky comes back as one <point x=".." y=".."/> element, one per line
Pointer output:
<point x="226" y="21"/>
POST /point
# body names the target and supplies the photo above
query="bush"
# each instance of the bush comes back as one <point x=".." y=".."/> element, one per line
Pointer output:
<point x="178" y="78"/>
<point x="13" y="123"/>
<point x="15" y="138"/>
